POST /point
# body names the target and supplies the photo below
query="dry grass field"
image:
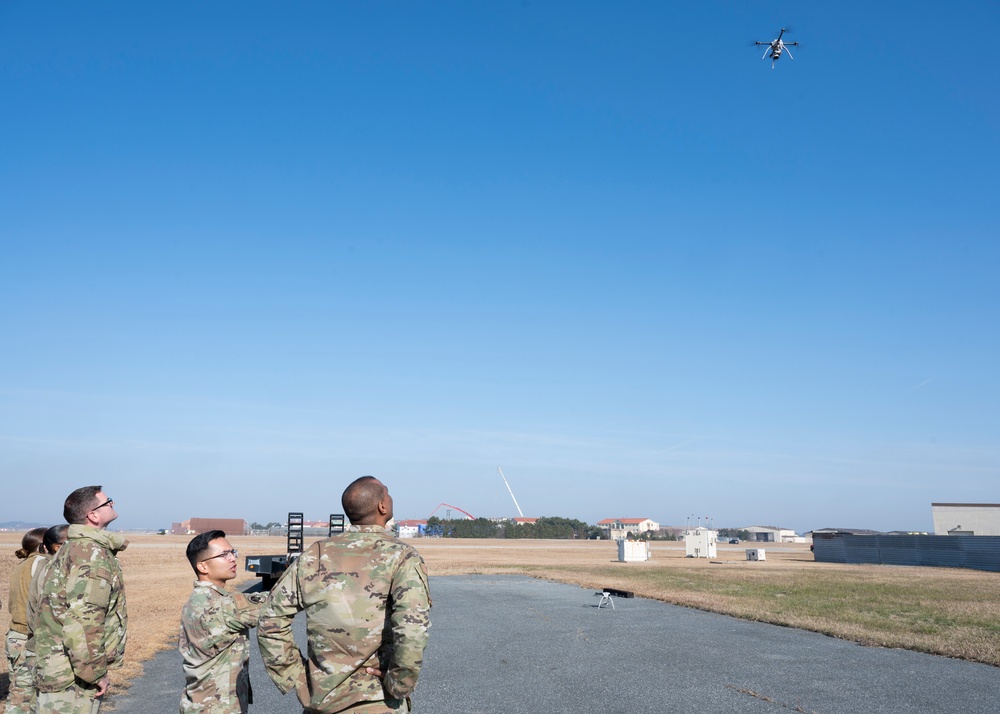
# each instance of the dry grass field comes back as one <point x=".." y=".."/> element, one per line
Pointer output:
<point x="944" y="611"/>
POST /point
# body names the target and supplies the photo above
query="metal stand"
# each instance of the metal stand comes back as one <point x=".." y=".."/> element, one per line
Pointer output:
<point x="336" y="524"/>
<point x="295" y="533"/>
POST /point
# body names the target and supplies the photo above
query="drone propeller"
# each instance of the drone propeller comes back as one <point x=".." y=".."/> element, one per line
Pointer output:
<point x="782" y="32"/>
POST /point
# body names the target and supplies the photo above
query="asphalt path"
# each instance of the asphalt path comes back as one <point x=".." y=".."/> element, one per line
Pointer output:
<point x="511" y="644"/>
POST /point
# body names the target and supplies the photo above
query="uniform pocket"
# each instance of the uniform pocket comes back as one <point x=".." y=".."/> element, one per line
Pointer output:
<point x="98" y="589"/>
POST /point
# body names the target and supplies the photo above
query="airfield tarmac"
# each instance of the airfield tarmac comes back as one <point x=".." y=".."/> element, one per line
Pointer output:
<point x="506" y="644"/>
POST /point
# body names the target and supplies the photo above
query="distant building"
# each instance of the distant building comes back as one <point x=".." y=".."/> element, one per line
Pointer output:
<point x="523" y="521"/>
<point x="981" y="519"/>
<point x="615" y="528"/>
<point x="772" y="534"/>
<point x="193" y="526"/>
<point x="411" y="529"/>
<point x="842" y="531"/>
<point x="20" y="526"/>
<point x="315" y="529"/>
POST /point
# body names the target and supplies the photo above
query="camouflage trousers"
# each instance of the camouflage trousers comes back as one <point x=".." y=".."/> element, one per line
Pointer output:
<point x="75" y="700"/>
<point x="21" y="698"/>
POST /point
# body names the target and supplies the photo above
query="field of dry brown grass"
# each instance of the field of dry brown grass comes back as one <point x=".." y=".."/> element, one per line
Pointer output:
<point x="944" y="611"/>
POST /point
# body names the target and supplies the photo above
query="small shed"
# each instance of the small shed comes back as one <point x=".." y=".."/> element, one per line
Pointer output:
<point x="633" y="551"/>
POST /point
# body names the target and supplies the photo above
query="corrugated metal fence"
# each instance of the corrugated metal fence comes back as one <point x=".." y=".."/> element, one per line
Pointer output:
<point x="976" y="552"/>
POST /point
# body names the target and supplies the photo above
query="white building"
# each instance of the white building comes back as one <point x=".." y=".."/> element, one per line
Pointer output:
<point x="411" y="529"/>
<point x="981" y="519"/>
<point x="700" y="543"/>
<point x="615" y="528"/>
<point x="633" y="551"/>
<point x="772" y="534"/>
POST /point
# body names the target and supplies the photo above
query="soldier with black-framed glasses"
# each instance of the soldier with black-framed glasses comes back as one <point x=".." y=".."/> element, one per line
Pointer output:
<point x="82" y="619"/>
<point x="215" y="624"/>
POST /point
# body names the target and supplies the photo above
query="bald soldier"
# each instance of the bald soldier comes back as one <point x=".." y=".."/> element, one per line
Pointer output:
<point x="367" y="609"/>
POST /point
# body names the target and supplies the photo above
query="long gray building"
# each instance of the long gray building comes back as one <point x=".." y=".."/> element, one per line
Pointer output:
<point x="980" y="519"/>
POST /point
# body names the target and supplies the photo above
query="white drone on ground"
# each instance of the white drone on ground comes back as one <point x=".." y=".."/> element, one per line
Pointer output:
<point x="775" y="47"/>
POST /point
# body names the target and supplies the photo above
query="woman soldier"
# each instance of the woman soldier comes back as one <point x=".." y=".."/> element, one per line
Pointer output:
<point x="20" y="699"/>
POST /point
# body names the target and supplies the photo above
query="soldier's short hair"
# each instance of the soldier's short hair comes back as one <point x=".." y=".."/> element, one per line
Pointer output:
<point x="361" y="498"/>
<point x="80" y="503"/>
<point x="199" y="545"/>
<point x="56" y="535"/>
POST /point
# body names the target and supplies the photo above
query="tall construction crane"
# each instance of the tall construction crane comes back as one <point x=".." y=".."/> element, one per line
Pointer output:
<point x="511" y="492"/>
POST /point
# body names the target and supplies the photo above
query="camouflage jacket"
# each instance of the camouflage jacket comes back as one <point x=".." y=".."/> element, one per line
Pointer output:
<point x="34" y="597"/>
<point x="367" y="604"/>
<point x="80" y="630"/>
<point x="214" y="644"/>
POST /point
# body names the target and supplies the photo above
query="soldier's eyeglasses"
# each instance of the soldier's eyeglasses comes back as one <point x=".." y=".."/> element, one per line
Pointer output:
<point x="109" y="502"/>
<point x="224" y="554"/>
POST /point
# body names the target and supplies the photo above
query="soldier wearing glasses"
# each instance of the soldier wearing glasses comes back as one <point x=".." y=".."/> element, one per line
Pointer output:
<point x="215" y="624"/>
<point x="80" y="633"/>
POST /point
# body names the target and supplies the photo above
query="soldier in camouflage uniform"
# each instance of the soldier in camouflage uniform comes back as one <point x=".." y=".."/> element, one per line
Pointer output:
<point x="215" y="624"/>
<point x="52" y="542"/>
<point x="80" y="633"/>
<point x="367" y="609"/>
<point x="21" y="697"/>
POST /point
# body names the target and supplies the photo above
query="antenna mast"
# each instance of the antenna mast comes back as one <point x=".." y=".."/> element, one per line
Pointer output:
<point x="511" y="492"/>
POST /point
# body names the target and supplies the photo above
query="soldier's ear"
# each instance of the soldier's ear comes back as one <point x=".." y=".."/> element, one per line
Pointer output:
<point x="201" y="568"/>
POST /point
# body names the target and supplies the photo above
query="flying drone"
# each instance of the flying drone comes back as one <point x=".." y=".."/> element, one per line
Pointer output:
<point x="776" y="47"/>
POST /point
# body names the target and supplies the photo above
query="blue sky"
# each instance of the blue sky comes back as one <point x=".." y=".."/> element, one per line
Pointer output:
<point x="250" y="252"/>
